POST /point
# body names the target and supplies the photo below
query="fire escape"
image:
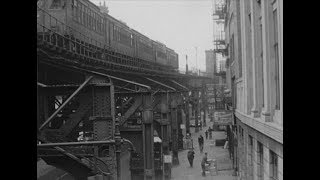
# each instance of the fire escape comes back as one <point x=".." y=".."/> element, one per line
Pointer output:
<point x="219" y="16"/>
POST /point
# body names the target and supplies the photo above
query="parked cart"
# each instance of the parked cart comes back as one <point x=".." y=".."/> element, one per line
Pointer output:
<point x="212" y="167"/>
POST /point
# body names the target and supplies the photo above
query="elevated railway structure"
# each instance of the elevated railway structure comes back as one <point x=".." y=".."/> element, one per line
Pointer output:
<point x="101" y="111"/>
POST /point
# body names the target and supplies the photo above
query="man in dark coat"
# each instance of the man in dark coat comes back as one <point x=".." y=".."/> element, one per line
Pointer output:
<point x="201" y="141"/>
<point x="190" y="157"/>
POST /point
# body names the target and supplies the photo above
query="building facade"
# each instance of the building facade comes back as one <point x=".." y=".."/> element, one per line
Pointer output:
<point x="210" y="63"/>
<point x="254" y="38"/>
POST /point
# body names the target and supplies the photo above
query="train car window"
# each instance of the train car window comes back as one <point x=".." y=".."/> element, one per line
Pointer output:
<point x="84" y="16"/>
<point x="39" y="3"/>
<point x="75" y="2"/>
<point x="89" y="16"/>
<point x="78" y="14"/>
<point x="131" y="37"/>
<point x="99" y="23"/>
<point x="94" y="21"/>
<point x="73" y="12"/>
<point x="91" y="20"/>
<point x="56" y="4"/>
<point x="81" y="10"/>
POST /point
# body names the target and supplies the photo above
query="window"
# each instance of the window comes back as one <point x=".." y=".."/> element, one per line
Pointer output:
<point x="99" y="24"/>
<point x="250" y="159"/>
<point x="260" y="161"/>
<point x="273" y="166"/>
<point x="276" y="57"/>
<point x="78" y="13"/>
<point x="56" y="4"/>
<point x="81" y="11"/>
<point x="85" y="16"/>
<point x="132" y="41"/>
<point x="90" y="19"/>
<point x="74" y="2"/>
<point x="94" y="21"/>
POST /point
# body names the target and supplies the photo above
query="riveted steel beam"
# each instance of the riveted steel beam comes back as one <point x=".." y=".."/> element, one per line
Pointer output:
<point x="137" y="103"/>
<point x="161" y="84"/>
<point x="180" y="85"/>
<point x="66" y="102"/>
<point x="88" y="143"/>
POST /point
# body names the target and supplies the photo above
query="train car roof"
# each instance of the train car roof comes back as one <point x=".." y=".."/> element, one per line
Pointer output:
<point x="91" y="3"/>
<point x="123" y="24"/>
<point x="171" y="50"/>
<point x="159" y="43"/>
<point x="138" y="33"/>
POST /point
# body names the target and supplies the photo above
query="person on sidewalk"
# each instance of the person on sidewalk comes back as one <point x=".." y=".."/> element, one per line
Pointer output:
<point x="203" y="163"/>
<point x="201" y="142"/>
<point x="190" y="157"/>
<point x="210" y="134"/>
<point x="206" y="134"/>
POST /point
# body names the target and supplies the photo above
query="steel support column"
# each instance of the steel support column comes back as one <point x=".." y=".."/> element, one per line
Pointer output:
<point x="187" y="113"/>
<point x="179" y="130"/>
<point x="148" y="137"/>
<point x="196" y="107"/>
<point x="117" y="136"/>
<point x="103" y="125"/>
<point x="166" y="137"/>
<point x="204" y="105"/>
<point x="174" y="130"/>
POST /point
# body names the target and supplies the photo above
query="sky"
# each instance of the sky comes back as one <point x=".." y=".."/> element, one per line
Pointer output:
<point x="181" y="25"/>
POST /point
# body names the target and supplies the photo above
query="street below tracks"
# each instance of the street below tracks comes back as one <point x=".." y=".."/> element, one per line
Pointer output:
<point x="183" y="171"/>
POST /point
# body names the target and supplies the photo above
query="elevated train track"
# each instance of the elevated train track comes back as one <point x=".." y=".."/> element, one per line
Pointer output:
<point x="64" y="62"/>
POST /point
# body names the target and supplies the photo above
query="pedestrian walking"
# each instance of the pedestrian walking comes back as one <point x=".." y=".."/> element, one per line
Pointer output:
<point x="191" y="157"/>
<point x="201" y="141"/>
<point x="210" y="134"/>
<point x="206" y="134"/>
<point x="203" y="164"/>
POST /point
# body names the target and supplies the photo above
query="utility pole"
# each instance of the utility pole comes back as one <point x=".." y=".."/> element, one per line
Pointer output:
<point x="197" y="59"/>
<point x="186" y="64"/>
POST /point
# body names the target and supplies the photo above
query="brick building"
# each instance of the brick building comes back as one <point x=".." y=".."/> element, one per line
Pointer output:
<point x="254" y="38"/>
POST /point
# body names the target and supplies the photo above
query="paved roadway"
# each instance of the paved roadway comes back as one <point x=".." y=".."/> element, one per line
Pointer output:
<point x="183" y="171"/>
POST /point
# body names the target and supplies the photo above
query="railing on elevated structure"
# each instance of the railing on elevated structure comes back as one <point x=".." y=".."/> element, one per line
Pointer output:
<point x="57" y="39"/>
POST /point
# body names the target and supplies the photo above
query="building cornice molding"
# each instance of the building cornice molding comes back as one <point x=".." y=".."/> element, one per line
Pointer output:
<point x="267" y="128"/>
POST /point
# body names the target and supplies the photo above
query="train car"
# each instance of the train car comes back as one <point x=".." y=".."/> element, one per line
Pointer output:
<point x="57" y="9"/>
<point x="89" y="26"/>
<point x="79" y="19"/>
<point x="143" y="46"/>
<point x="160" y="52"/>
<point x="121" y="36"/>
<point x="172" y="58"/>
<point x="85" y="17"/>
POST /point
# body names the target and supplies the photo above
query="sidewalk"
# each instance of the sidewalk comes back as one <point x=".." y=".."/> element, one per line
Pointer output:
<point x="184" y="172"/>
